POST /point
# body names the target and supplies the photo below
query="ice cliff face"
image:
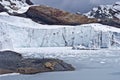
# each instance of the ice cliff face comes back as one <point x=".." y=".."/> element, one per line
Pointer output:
<point x="21" y="33"/>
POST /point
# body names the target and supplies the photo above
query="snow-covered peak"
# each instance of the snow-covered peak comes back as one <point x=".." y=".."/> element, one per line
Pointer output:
<point x="12" y="6"/>
<point x="105" y="11"/>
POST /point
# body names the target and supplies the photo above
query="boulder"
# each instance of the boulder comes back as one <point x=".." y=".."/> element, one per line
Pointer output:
<point x="50" y="65"/>
<point x="13" y="62"/>
<point x="9" y="60"/>
<point x="55" y="16"/>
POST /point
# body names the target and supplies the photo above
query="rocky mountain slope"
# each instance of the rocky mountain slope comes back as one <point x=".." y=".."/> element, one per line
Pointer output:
<point x="42" y="14"/>
<point x="108" y="14"/>
<point x="55" y="16"/>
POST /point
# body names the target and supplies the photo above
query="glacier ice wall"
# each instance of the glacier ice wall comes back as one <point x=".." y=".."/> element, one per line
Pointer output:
<point x="18" y="37"/>
<point x="20" y="34"/>
<point x="5" y="40"/>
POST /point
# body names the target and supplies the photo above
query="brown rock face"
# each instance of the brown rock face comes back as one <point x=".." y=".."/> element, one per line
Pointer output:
<point x="5" y="71"/>
<point x="50" y="65"/>
<point x="27" y="70"/>
<point x="55" y="16"/>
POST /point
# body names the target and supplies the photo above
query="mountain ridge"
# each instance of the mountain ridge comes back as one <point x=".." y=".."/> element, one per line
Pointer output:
<point x="106" y="14"/>
<point x="48" y="15"/>
<point x="105" y="11"/>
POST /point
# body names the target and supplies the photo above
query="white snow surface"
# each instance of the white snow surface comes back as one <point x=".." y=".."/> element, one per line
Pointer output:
<point x="10" y="74"/>
<point x="17" y="32"/>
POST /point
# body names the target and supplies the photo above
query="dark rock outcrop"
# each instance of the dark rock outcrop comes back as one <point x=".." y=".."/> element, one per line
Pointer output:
<point x="110" y="22"/>
<point x="9" y="60"/>
<point x="14" y="62"/>
<point x="55" y="16"/>
<point x="2" y="9"/>
<point x="29" y="2"/>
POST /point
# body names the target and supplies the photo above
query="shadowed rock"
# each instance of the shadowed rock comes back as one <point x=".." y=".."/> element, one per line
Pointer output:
<point x="111" y="22"/>
<point x="29" y="2"/>
<point x="14" y="62"/>
<point x="2" y="8"/>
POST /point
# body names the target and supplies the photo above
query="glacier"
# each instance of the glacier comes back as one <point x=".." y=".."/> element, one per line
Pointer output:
<point x="18" y="32"/>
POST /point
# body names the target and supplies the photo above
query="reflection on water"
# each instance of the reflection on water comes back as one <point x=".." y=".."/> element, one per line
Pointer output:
<point x="116" y="73"/>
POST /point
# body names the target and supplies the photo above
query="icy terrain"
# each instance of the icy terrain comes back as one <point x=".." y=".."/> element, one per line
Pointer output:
<point x="19" y="6"/>
<point x="16" y="32"/>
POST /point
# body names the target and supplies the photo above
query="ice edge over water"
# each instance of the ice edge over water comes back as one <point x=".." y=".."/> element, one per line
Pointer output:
<point x="24" y="33"/>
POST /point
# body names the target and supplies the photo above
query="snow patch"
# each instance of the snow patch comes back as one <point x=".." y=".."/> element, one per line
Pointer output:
<point x="3" y="75"/>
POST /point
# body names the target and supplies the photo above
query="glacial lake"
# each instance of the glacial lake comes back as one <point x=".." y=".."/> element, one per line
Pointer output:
<point x="90" y="64"/>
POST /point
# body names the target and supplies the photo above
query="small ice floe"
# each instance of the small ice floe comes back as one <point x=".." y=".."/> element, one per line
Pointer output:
<point x="102" y="62"/>
<point x="81" y="47"/>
